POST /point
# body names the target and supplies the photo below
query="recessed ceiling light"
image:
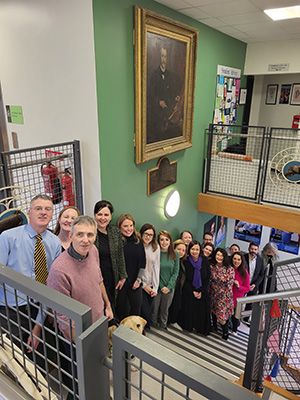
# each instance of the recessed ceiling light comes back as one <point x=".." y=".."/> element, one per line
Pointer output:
<point x="283" y="13"/>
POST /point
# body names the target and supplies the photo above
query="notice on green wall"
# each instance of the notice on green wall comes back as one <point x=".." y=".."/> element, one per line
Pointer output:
<point x="14" y="114"/>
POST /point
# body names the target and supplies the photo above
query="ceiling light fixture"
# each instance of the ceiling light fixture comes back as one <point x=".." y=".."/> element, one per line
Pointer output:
<point x="283" y="13"/>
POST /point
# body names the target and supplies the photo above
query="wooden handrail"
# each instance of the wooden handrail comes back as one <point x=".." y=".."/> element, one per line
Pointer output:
<point x="282" y="392"/>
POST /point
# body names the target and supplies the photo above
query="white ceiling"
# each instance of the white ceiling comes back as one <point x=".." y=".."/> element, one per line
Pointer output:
<point x="241" y="19"/>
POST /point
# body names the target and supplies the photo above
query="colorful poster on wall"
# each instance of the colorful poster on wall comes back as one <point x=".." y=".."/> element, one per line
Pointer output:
<point x="221" y="231"/>
<point x="210" y="226"/>
<point x="227" y="95"/>
<point x="285" y="93"/>
<point x="285" y="240"/>
<point x="247" y="231"/>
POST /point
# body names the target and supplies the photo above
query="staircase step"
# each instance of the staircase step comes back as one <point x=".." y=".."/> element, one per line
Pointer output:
<point x="225" y="358"/>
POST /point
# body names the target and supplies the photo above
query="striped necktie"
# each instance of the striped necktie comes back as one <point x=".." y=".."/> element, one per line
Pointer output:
<point x="40" y="261"/>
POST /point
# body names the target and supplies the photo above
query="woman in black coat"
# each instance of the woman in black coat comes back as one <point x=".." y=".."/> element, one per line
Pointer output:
<point x="195" y="311"/>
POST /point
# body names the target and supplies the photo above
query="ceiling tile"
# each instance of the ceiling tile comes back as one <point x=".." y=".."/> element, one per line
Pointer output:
<point x="266" y="4"/>
<point x="228" y="30"/>
<point x="241" y="19"/>
<point x="213" y="22"/>
<point x="198" y="3"/>
<point x="258" y="27"/>
<point x="174" y="4"/>
<point x="230" y="8"/>
<point x="245" y="18"/>
<point x="195" y="13"/>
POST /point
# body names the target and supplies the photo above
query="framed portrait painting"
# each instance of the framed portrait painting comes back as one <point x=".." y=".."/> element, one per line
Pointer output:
<point x="271" y="94"/>
<point x="295" y="98"/>
<point x="165" y="69"/>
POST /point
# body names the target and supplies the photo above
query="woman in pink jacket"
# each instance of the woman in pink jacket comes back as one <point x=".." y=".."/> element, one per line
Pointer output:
<point x="241" y="284"/>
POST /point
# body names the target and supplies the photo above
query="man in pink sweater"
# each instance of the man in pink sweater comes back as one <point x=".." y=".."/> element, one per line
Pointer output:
<point x="76" y="273"/>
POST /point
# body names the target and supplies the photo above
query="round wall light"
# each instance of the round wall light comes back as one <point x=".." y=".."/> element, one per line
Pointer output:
<point x="172" y="203"/>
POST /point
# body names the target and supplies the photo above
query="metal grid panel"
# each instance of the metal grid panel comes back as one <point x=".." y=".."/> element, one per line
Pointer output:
<point x="54" y="368"/>
<point x="283" y="152"/>
<point x="278" y="338"/>
<point x="163" y="374"/>
<point x="234" y="161"/>
<point x="24" y="168"/>
<point x="148" y="382"/>
<point x="47" y="366"/>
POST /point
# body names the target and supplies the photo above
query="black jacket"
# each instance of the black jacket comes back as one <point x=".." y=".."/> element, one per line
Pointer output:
<point x="259" y="273"/>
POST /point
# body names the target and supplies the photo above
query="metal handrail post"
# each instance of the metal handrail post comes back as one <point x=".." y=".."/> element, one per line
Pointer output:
<point x="252" y="344"/>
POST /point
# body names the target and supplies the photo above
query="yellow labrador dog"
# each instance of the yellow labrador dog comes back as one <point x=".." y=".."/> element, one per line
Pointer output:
<point x="133" y="322"/>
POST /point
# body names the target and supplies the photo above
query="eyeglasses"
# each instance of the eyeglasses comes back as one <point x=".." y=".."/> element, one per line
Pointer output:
<point x="148" y="234"/>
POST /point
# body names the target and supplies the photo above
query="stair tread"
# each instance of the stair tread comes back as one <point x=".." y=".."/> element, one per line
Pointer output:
<point x="225" y="358"/>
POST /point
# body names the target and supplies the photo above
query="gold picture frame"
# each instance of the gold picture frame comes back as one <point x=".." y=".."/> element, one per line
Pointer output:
<point x="165" y="71"/>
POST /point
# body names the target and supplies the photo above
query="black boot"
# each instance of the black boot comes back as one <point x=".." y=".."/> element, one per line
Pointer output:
<point x="225" y="331"/>
<point x="214" y="323"/>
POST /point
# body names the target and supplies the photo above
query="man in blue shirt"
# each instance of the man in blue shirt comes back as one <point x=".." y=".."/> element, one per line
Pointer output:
<point x="17" y="251"/>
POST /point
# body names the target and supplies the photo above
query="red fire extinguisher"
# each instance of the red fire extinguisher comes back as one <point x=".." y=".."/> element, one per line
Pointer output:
<point x="296" y="122"/>
<point x="51" y="182"/>
<point x="67" y="188"/>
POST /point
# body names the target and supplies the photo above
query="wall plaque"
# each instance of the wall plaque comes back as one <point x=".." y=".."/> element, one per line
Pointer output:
<point x="163" y="175"/>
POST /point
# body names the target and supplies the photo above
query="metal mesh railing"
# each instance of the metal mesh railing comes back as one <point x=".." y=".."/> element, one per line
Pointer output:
<point x="58" y="367"/>
<point x="255" y="164"/>
<point x="274" y="341"/>
<point x="282" y="178"/>
<point x="162" y="374"/>
<point x="54" y="170"/>
<point x="234" y="161"/>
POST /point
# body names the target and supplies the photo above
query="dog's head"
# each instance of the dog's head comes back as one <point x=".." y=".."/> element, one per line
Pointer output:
<point x="135" y="323"/>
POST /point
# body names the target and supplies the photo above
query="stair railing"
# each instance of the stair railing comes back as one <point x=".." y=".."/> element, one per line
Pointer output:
<point x="265" y="347"/>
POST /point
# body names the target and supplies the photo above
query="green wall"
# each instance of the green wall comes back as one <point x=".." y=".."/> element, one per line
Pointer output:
<point x="123" y="182"/>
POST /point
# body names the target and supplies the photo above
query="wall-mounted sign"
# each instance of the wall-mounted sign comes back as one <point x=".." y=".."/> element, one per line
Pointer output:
<point x="14" y="114"/>
<point x="278" y="67"/>
<point x="228" y="71"/>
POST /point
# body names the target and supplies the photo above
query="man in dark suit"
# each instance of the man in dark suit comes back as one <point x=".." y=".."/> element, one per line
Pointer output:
<point x="255" y="267"/>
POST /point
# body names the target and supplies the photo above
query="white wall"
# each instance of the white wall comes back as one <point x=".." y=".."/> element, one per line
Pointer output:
<point x="260" y="55"/>
<point x="265" y="238"/>
<point x="48" y="67"/>
<point x="278" y="115"/>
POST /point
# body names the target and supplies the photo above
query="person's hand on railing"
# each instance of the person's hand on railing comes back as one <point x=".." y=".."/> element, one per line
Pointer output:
<point x="36" y="333"/>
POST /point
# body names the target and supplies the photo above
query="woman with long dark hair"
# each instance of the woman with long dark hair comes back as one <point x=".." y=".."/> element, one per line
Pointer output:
<point x="181" y="247"/>
<point x="110" y="247"/>
<point x="220" y="289"/>
<point x="195" y="310"/>
<point x="150" y="278"/>
<point x="208" y="250"/>
<point x="241" y="284"/>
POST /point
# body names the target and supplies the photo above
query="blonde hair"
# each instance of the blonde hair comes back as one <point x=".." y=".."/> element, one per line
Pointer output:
<point x="177" y="243"/>
<point x="120" y="221"/>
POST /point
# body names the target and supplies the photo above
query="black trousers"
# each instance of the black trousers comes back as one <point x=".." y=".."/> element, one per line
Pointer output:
<point x="146" y="310"/>
<point x="134" y="296"/>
